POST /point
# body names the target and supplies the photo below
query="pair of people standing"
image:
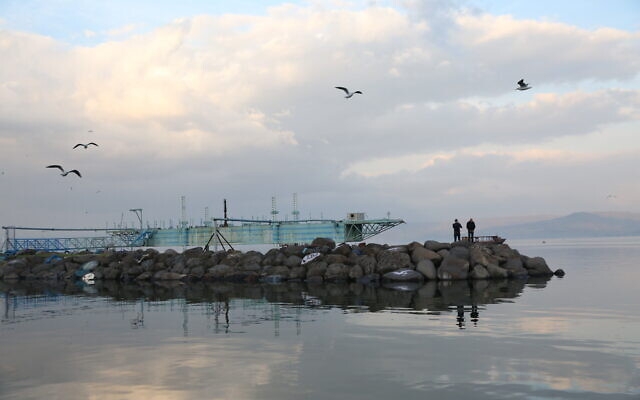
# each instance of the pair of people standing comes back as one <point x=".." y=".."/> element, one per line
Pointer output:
<point x="471" y="227"/>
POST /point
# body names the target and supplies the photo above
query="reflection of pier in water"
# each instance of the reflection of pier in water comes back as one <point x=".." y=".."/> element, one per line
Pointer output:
<point x="228" y="306"/>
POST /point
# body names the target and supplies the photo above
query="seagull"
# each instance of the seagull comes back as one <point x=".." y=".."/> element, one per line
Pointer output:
<point x="65" y="173"/>
<point x="85" y="145"/>
<point x="349" y="94"/>
<point x="522" y="85"/>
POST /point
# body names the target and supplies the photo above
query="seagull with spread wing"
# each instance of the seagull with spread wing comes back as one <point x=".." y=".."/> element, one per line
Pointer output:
<point x="85" y="145"/>
<point x="65" y="173"/>
<point x="349" y="94"/>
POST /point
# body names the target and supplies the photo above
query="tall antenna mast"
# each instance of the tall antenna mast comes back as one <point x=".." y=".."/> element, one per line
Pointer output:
<point x="183" y="200"/>
<point x="295" y="211"/>
<point x="274" y="211"/>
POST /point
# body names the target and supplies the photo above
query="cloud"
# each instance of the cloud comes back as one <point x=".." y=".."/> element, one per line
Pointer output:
<point x="244" y="106"/>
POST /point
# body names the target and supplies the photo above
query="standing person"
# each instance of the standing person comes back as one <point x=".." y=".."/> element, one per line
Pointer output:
<point x="471" y="226"/>
<point x="456" y="230"/>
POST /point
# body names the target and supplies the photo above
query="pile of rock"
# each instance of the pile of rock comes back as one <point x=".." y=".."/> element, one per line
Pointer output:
<point x="321" y="261"/>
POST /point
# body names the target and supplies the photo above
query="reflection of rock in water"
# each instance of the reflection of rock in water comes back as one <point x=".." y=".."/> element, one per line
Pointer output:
<point x="432" y="296"/>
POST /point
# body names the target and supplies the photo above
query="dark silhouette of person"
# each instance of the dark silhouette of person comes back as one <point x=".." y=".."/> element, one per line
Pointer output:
<point x="471" y="226"/>
<point x="456" y="230"/>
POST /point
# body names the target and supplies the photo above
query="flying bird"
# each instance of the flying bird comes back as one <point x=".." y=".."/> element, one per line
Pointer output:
<point x="349" y="94"/>
<point x="65" y="173"/>
<point x="522" y="85"/>
<point x="85" y="145"/>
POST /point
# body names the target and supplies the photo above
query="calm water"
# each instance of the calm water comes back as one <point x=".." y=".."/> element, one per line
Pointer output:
<point x="576" y="337"/>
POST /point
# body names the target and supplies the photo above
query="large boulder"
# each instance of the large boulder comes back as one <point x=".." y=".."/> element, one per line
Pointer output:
<point x="459" y="252"/>
<point x="337" y="272"/>
<point x="420" y="253"/>
<point x="356" y="272"/>
<point x="436" y="246"/>
<point x="390" y="260"/>
<point x="515" y="267"/>
<point x="292" y="261"/>
<point x="251" y="258"/>
<point x="316" y="269"/>
<point x="428" y="269"/>
<point x="321" y="242"/>
<point x="537" y="266"/>
<point x="342" y="249"/>
<point x="453" y="268"/>
<point x="497" y="272"/>
<point x="479" y="272"/>
<point x="336" y="258"/>
<point x="368" y="264"/>
<point x="218" y="272"/>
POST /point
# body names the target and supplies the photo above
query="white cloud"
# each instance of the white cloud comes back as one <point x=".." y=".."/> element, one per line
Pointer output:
<point x="247" y="103"/>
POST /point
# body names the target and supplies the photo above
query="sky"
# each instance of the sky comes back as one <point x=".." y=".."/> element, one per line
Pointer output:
<point x="216" y="100"/>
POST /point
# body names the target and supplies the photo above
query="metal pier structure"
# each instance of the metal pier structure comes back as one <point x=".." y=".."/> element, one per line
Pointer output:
<point x="234" y="231"/>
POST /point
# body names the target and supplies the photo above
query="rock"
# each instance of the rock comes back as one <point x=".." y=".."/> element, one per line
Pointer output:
<point x="337" y="272"/>
<point x="420" y="253"/>
<point x="436" y="246"/>
<point x="427" y="268"/>
<point x="316" y="269"/>
<point x="217" y="272"/>
<point x="342" y="249"/>
<point x="293" y="261"/>
<point x="232" y="258"/>
<point x="368" y="264"/>
<point x="461" y="252"/>
<point x="193" y="263"/>
<point x="403" y="275"/>
<point x="336" y="258"/>
<point x="504" y="252"/>
<point x="515" y="267"/>
<point x="479" y="272"/>
<point x="298" y="273"/>
<point x="251" y="257"/>
<point x="497" y="272"/>
<point x="321" y="242"/>
<point x="537" y="266"/>
<point x="193" y="252"/>
<point x="277" y="270"/>
<point x="453" y="268"/>
<point x="355" y="272"/>
<point x="389" y="260"/>
<point x="294" y="250"/>
<point x="559" y="272"/>
<point x="145" y="276"/>
<point x="194" y="273"/>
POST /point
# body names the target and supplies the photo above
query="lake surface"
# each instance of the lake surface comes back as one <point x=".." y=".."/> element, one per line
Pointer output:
<point x="576" y="337"/>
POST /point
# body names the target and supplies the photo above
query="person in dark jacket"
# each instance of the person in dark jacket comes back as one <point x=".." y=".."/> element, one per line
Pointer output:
<point x="456" y="230"/>
<point x="471" y="226"/>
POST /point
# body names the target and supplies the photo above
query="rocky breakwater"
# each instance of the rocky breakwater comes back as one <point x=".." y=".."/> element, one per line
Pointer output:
<point x="321" y="261"/>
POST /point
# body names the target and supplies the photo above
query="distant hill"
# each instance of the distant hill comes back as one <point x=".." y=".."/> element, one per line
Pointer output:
<point x="580" y="224"/>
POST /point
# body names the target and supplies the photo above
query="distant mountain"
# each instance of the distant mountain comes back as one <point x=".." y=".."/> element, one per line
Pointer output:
<point x="580" y="224"/>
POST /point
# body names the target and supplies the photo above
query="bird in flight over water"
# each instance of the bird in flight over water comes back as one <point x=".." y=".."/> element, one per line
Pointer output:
<point x="349" y="94"/>
<point x="65" y="173"/>
<point x="85" y="145"/>
<point x="522" y="85"/>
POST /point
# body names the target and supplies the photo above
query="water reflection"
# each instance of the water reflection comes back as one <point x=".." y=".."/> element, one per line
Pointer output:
<point x="291" y="341"/>
<point x="465" y="298"/>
